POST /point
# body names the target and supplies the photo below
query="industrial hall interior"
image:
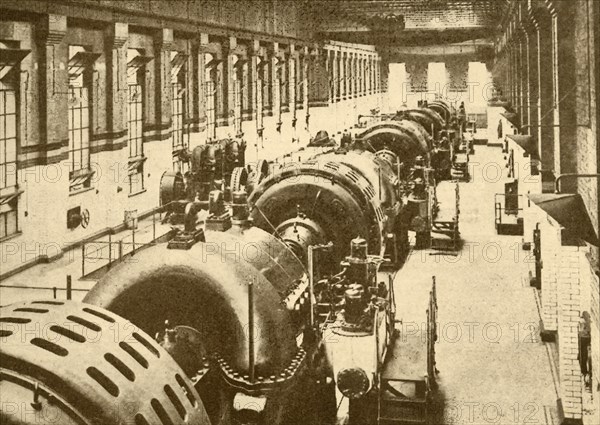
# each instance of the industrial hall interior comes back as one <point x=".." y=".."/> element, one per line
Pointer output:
<point x="299" y="212"/>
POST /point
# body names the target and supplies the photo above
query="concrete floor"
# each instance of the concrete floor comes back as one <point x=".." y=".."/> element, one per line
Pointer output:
<point x="493" y="368"/>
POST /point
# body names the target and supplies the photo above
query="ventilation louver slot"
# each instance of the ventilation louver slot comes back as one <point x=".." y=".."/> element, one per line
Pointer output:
<point x="85" y="323"/>
<point x="68" y="333"/>
<point x="146" y="344"/>
<point x="120" y="366"/>
<point x="50" y="346"/>
<point x="161" y="412"/>
<point x="99" y="315"/>
<point x="175" y="400"/>
<point x="104" y="381"/>
<point x="134" y="353"/>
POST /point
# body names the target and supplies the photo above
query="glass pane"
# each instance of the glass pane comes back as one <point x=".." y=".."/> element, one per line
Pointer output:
<point x="2" y="127"/>
<point x="11" y="176"/>
<point x="3" y="176"/>
<point x="11" y="126"/>
<point x="85" y="120"/>
<point x="11" y="150"/>
<point x="3" y="225"/>
<point x="77" y="120"/>
<point x="10" y="102"/>
<point x="11" y="222"/>
<point x="2" y="101"/>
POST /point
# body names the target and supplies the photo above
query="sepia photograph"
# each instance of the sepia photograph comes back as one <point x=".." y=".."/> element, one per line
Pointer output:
<point x="299" y="212"/>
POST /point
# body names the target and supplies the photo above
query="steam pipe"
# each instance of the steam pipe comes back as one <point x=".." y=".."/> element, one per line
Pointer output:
<point x="311" y="280"/>
<point x="251" y="361"/>
<point x="571" y="175"/>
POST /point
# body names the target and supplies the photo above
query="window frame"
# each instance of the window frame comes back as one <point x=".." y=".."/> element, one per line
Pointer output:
<point x="81" y="90"/>
<point x="180" y="138"/>
<point x="9" y="193"/>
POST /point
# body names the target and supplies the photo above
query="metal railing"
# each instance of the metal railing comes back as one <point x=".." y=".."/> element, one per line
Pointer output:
<point x="115" y="251"/>
<point x="55" y="289"/>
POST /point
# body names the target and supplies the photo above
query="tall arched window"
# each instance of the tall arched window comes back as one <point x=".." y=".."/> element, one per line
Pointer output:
<point x="179" y="92"/>
<point x="81" y="63"/>
<point x="136" y="77"/>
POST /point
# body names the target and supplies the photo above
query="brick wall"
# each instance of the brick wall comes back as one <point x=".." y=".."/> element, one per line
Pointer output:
<point x="416" y="74"/>
<point x="570" y="279"/>
<point x="275" y="17"/>
<point x="593" y="303"/>
<point x="458" y="73"/>
<point x="551" y="244"/>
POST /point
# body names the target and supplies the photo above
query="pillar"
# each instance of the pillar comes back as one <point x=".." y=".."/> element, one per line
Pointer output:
<point x="566" y="91"/>
<point x="546" y="94"/>
<point x="522" y="76"/>
<point x="335" y="76"/>
<point x="532" y="28"/>
<point x="54" y="86"/>
<point x="198" y="86"/>
<point x="371" y="76"/>
<point x="293" y="58"/>
<point x="319" y="90"/>
<point x="249" y="83"/>
<point x="300" y="79"/>
<point x="162" y="62"/>
<point x="275" y="64"/>
<point x="355" y="75"/>
<point x="116" y="82"/>
<point x="343" y="75"/>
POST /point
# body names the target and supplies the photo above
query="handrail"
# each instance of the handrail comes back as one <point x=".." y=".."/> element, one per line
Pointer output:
<point x="571" y="175"/>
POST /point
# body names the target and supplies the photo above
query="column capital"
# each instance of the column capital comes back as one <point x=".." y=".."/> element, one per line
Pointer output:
<point x="552" y="8"/>
<point x="165" y="39"/>
<point x="213" y="48"/>
<point x="291" y="50"/>
<point x="532" y="17"/>
<point x="273" y="49"/>
<point x="55" y="29"/>
<point x="117" y="34"/>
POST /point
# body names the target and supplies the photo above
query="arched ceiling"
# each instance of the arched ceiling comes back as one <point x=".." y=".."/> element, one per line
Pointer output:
<point x="407" y="22"/>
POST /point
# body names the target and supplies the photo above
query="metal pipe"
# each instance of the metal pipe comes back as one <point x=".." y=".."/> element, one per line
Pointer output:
<point x="553" y="125"/>
<point x="251" y="360"/>
<point x="69" y="287"/>
<point x="571" y="175"/>
<point x="133" y="238"/>
<point x="109" y="250"/>
<point x="83" y="259"/>
<point x="154" y="227"/>
<point x="311" y="284"/>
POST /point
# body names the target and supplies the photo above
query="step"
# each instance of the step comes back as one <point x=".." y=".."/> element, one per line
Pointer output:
<point x="383" y="421"/>
<point x="445" y="232"/>
<point x="408" y="401"/>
